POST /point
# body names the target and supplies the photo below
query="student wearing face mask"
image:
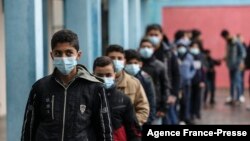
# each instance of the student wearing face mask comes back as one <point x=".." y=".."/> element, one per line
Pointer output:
<point x="133" y="67"/>
<point x="157" y="70"/>
<point x="128" y="84"/>
<point x="187" y="72"/>
<point x="124" y="122"/>
<point x="198" y="81"/>
<point x="70" y="104"/>
<point x="164" y="52"/>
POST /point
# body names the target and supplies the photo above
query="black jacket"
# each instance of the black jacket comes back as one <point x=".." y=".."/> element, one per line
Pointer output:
<point x="77" y="112"/>
<point x="157" y="70"/>
<point x="148" y="85"/>
<point x="123" y="116"/>
<point x="165" y="55"/>
<point x="200" y="74"/>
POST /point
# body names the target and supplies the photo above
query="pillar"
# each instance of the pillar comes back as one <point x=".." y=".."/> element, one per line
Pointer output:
<point x="24" y="58"/>
<point x="134" y="23"/>
<point x="84" y="18"/>
<point x="118" y="23"/>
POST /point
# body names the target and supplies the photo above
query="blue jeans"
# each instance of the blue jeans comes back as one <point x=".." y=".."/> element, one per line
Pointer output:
<point x="185" y="103"/>
<point x="235" y="83"/>
<point x="171" y="117"/>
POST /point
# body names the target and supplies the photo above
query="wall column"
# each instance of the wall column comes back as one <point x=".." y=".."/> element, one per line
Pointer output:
<point x="24" y="57"/>
<point x="84" y="18"/>
<point x="118" y="23"/>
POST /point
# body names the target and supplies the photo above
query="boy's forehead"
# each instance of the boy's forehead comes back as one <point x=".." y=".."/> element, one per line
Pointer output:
<point x="134" y="60"/>
<point x="115" y="53"/>
<point x="105" y="69"/>
<point x="64" y="46"/>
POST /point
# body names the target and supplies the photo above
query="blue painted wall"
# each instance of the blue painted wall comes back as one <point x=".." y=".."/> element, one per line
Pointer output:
<point x="20" y="61"/>
<point x="84" y="18"/>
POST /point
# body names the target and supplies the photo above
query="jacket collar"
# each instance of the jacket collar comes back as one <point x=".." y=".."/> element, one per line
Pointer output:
<point x="122" y="79"/>
<point x="82" y="73"/>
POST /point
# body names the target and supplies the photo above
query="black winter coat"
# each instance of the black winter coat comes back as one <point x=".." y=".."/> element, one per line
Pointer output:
<point x="78" y="112"/>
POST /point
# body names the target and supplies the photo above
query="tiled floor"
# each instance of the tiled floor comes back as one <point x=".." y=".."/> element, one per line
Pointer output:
<point x="225" y="114"/>
<point x="217" y="114"/>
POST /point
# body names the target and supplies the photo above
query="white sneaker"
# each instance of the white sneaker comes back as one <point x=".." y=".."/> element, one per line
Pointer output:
<point x="229" y="99"/>
<point x="242" y="99"/>
<point x="182" y="123"/>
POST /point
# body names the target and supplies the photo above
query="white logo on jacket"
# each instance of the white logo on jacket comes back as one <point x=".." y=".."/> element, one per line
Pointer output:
<point x="82" y="108"/>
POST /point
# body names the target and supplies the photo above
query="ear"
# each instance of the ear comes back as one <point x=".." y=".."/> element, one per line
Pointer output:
<point x="51" y="55"/>
<point x="79" y="54"/>
<point x="140" y="64"/>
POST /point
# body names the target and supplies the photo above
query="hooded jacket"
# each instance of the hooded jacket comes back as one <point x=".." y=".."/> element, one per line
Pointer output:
<point x="77" y="112"/>
<point x="132" y="87"/>
<point x="124" y="121"/>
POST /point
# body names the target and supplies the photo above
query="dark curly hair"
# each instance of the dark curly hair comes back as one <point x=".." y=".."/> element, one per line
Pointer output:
<point x="65" y="36"/>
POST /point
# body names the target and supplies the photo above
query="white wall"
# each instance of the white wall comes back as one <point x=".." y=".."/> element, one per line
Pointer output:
<point x="2" y="66"/>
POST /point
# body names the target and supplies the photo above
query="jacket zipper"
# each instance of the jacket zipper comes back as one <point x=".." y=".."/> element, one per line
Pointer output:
<point x="64" y="105"/>
<point x="52" y="107"/>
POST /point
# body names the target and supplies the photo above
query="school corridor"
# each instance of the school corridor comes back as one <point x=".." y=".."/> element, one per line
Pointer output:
<point x="211" y="115"/>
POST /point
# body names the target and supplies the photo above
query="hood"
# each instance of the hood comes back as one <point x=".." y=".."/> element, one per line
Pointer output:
<point x="83" y="73"/>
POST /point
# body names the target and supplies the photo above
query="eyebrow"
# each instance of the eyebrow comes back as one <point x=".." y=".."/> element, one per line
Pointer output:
<point x="57" y="50"/>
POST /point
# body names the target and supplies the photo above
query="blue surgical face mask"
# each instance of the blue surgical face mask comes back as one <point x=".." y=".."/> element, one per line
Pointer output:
<point x="65" y="64"/>
<point x="119" y="65"/>
<point x="154" y="40"/>
<point x="182" y="50"/>
<point x="146" y="52"/>
<point x="108" y="82"/>
<point x="194" y="51"/>
<point x="132" y="69"/>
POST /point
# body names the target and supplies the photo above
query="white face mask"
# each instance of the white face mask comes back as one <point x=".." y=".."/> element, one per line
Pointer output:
<point x="132" y="69"/>
<point x="182" y="50"/>
<point x="119" y="65"/>
<point x="194" y="51"/>
<point x="108" y="82"/>
<point x="154" y="40"/>
<point x="65" y="64"/>
<point x="146" y="52"/>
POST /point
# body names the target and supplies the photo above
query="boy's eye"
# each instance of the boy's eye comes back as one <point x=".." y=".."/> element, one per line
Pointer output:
<point x="69" y="54"/>
<point x="57" y="54"/>
<point x="108" y="75"/>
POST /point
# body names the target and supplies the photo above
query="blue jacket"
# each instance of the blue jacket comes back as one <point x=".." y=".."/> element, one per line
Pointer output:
<point x="235" y="54"/>
<point x="186" y="68"/>
<point x="200" y="74"/>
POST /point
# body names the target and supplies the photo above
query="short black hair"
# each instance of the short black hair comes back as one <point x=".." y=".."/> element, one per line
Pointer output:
<point x="224" y="33"/>
<point x="132" y="54"/>
<point x="154" y="27"/>
<point x="178" y="35"/>
<point x="65" y="36"/>
<point x="145" y="39"/>
<point x="114" y="48"/>
<point x="196" y="33"/>
<point x="102" y="62"/>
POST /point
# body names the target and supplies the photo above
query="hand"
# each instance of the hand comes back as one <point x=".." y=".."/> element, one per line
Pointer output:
<point x="202" y="84"/>
<point x="160" y="114"/>
<point x="171" y="99"/>
<point x="242" y="66"/>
